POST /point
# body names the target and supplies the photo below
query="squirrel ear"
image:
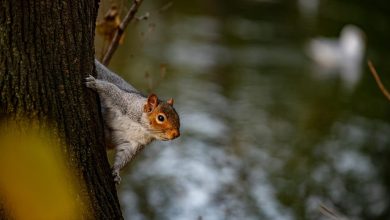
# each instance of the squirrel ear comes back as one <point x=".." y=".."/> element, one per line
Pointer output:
<point x="151" y="104"/>
<point x="170" y="101"/>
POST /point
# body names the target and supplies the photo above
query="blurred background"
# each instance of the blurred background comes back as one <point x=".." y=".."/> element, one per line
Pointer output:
<point x="280" y="115"/>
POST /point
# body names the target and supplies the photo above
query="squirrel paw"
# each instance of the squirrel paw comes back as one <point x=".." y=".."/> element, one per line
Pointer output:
<point x="117" y="178"/>
<point x="90" y="82"/>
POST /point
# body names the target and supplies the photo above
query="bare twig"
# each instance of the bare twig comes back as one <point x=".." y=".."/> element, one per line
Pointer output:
<point x="115" y="41"/>
<point x="165" y="7"/>
<point x="107" y="28"/>
<point x="143" y="17"/>
<point x="330" y="213"/>
<point x="378" y="80"/>
<point x="159" y="11"/>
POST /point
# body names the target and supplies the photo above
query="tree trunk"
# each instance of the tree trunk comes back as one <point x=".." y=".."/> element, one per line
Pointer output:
<point x="46" y="51"/>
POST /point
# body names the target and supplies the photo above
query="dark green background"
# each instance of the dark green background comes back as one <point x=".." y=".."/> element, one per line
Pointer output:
<point x="263" y="135"/>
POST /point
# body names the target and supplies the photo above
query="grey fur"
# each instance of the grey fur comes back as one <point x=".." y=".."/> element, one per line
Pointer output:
<point x="127" y="125"/>
<point x="105" y="74"/>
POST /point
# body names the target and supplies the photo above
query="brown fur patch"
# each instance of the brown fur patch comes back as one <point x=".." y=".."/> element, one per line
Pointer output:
<point x="171" y="125"/>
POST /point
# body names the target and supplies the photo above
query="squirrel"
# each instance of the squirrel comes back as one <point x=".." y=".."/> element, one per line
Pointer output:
<point x="131" y="119"/>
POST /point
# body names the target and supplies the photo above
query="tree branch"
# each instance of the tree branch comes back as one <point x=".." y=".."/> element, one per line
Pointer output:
<point x="330" y="213"/>
<point x="378" y="80"/>
<point x="115" y="41"/>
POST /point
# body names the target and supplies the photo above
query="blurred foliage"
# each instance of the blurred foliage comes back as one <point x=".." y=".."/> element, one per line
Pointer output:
<point x="34" y="181"/>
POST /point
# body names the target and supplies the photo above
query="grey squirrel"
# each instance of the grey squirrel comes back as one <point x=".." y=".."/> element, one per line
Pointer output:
<point x="131" y="119"/>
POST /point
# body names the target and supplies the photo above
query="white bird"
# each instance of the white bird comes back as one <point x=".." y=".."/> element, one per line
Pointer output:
<point x="343" y="55"/>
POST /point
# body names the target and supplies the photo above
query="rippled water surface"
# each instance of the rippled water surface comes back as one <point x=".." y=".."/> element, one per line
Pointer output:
<point x="268" y="132"/>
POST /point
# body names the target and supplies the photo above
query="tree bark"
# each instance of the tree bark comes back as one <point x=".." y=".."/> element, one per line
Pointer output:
<point x="46" y="51"/>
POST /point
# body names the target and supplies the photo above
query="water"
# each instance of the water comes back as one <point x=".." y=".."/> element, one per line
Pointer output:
<point x="266" y="132"/>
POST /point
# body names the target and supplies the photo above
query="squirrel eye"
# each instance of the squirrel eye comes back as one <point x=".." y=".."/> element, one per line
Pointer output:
<point x="161" y="118"/>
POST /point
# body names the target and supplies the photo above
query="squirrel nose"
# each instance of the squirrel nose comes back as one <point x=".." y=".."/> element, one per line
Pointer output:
<point x="175" y="134"/>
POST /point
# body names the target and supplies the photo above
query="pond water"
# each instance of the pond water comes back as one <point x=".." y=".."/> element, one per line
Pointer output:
<point x="269" y="130"/>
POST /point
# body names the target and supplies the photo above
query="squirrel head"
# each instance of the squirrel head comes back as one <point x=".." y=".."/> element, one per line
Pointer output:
<point x="163" y="119"/>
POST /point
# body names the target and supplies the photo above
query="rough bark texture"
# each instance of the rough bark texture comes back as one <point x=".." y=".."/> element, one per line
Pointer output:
<point x="46" y="50"/>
